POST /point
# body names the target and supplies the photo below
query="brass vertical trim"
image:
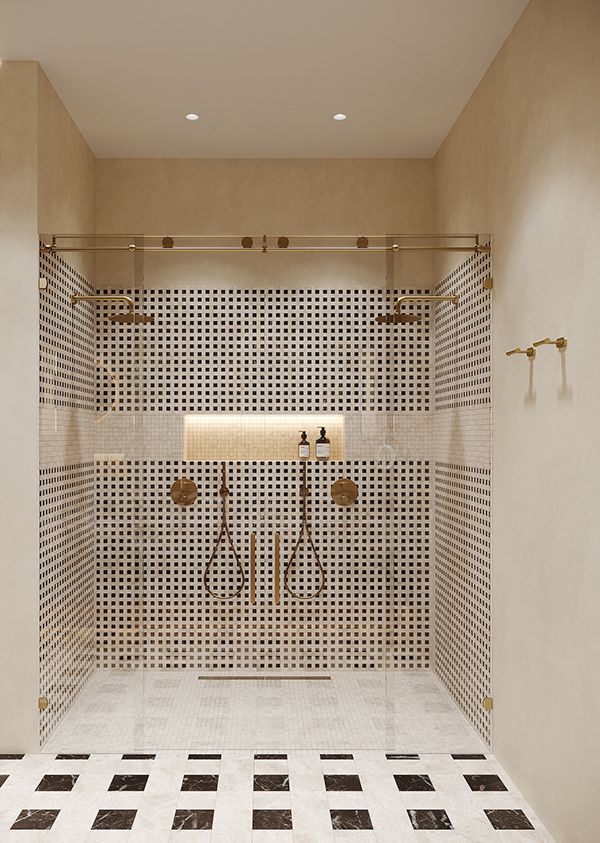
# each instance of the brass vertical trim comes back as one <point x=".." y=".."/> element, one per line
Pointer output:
<point x="252" y="568"/>
<point x="277" y="569"/>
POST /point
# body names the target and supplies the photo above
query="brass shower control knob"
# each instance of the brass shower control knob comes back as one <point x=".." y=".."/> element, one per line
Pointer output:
<point x="184" y="492"/>
<point x="344" y="492"/>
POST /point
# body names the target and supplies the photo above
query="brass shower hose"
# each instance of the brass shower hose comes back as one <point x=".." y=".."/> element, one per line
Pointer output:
<point x="304" y="531"/>
<point x="223" y="534"/>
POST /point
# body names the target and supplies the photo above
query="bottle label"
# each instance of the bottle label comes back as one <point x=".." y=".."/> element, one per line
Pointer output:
<point x="323" y="450"/>
<point x="304" y="451"/>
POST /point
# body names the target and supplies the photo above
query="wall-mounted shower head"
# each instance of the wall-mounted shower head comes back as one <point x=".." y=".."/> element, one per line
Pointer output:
<point x="127" y="317"/>
<point x="397" y="318"/>
<point x="132" y="317"/>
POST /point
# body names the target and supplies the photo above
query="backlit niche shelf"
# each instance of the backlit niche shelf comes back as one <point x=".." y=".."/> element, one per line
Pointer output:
<point x="257" y="436"/>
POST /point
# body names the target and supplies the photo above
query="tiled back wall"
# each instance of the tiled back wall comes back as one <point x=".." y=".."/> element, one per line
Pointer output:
<point x="269" y="350"/>
<point x="155" y="610"/>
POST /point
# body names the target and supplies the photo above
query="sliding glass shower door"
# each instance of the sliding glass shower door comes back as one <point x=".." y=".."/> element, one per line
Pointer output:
<point x="270" y="588"/>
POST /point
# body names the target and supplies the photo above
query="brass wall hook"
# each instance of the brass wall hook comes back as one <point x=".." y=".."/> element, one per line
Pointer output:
<point x="560" y="342"/>
<point x="530" y="352"/>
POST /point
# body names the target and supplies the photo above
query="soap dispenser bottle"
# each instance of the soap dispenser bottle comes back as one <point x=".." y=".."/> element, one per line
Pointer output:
<point x="303" y="447"/>
<point x="323" y="447"/>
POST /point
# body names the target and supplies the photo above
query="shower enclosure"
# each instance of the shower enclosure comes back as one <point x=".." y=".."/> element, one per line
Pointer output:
<point x="202" y="587"/>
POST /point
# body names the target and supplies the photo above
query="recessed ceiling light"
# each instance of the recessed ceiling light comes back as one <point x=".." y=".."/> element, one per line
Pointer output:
<point x="191" y="116"/>
<point x="339" y="116"/>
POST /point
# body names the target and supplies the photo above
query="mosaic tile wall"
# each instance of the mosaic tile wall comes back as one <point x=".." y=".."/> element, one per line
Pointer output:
<point x="67" y="483"/>
<point x="67" y="335"/>
<point x="462" y="444"/>
<point x="268" y="350"/>
<point x="372" y="613"/>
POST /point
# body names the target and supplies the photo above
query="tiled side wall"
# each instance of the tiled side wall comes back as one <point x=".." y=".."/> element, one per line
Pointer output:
<point x="462" y="452"/>
<point x="67" y="516"/>
<point x="374" y="610"/>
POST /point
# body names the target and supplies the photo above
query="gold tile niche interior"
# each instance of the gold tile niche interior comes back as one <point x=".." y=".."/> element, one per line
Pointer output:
<point x="257" y="436"/>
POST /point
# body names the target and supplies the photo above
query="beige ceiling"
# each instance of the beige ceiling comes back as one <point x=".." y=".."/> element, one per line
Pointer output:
<point x="264" y="76"/>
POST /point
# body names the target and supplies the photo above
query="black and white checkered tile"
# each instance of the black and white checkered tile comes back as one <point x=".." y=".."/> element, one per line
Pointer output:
<point x="231" y="797"/>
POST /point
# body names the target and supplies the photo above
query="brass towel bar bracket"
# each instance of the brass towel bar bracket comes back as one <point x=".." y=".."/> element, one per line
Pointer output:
<point x="530" y="351"/>
<point x="560" y="342"/>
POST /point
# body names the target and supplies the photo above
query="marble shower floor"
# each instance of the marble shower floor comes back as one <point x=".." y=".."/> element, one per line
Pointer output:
<point x="123" y="711"/>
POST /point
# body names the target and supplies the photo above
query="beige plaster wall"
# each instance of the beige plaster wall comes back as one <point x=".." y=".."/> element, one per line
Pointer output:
<point x="46" y="180"/>
<point x="66" y="174"/>
<point x="523" y="162"/>
<point x="18" y="407"/>
<point x="277" y="196"/>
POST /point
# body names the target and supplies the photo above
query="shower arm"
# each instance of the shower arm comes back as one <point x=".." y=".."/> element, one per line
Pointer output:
<point x="422" y="297"/>
<point x="75" y="298"/>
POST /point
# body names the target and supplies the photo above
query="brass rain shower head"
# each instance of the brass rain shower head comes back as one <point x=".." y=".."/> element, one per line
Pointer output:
<point x="132" y="318"/>
<point x="397" y="318"/>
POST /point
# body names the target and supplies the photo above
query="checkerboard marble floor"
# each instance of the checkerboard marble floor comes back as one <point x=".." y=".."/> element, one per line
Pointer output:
<point x="244" y="797"/>
<point x="125" y="710"/>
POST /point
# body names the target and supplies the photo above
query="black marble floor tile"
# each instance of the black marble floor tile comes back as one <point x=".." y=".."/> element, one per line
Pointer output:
<point x="271" y="782"/>
<point x="399" y="756"/>
<point x="339" y="781"/>
<point x="265" y="756"/>
<point x="485" y="782"/>
<point x="273" y="818"/>
<point x="200" y="782"/>
<point x="347" y="820"/>
<point x="336" y="756"/>
<point x="64" y="756"/>
<point x="137" y="756"/>
<point x="204" y="756"/>
<point x="10" y="756"/>
<point x="187" y="819"/>
<point x="414" y="782"/>
<point x="2" y="780"/>
<point x="36" y="818"/>
<point x="135" y="782"/>
<point x="430" y="818"/>
<point x="468" y="756"/>
<point x="111" y="818"/>
<point x="60" y="782"/>
<point x="507" y="818"/>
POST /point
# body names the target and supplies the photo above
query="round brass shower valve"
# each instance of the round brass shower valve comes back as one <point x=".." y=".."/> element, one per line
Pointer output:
<point x="184" y="492"/>
<point x="344" y="492"/>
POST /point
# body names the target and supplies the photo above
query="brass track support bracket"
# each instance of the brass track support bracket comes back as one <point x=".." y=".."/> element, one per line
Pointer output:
<point x="560" y="342"/>
<point x="530" y="352"/>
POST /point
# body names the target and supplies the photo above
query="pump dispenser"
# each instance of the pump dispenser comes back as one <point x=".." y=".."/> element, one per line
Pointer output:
<point x="303" y="447"/>
<point x="323" y="447"/>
